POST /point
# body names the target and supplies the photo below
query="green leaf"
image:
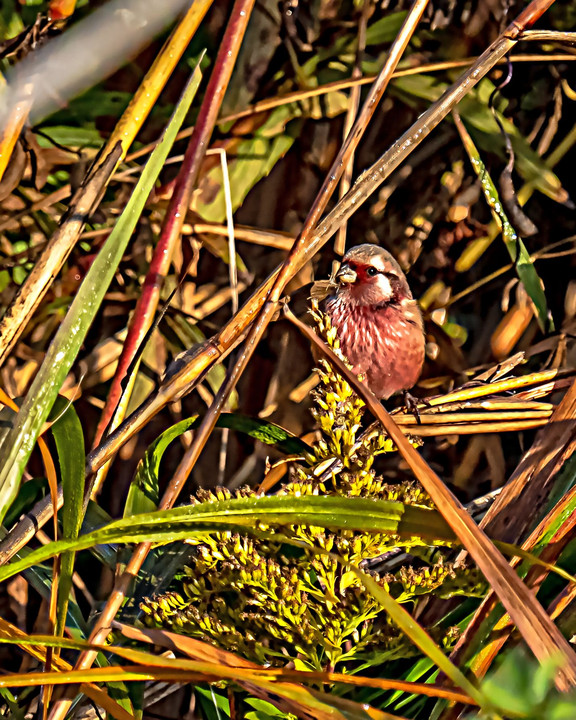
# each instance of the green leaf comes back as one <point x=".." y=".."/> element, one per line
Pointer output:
<point x="95" y="103"/>
<point x="516" y="248"/>
<point x="144" y="492"/>
<point x="385" y="30"/>
<point x="63" y="350"/>
<point x="29" y="493"/>
<point x="263" y="710"/>
<point x="86" y="136"/>
<point x="69" y="439"/>
<point x="185" y="522"/>
<point x="214" y="705"/>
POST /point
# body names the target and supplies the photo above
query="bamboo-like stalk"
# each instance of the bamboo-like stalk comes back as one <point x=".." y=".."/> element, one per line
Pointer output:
<point x="472" y="417"/>
<point x="500" y="386"/>
<point x="475" y="428"/>
<point x="353" y="106"/>
<point x="273" y="239"/>
<point x="29" y="296"/>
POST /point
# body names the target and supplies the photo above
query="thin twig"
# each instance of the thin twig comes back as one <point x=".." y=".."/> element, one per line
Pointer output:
<point x="353" y="105"/>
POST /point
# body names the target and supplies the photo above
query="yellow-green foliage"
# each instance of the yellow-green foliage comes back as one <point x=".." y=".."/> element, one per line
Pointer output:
<point x="276" y="603"/>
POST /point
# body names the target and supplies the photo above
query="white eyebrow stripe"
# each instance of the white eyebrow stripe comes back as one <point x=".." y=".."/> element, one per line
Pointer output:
<point x="385" y="286"/>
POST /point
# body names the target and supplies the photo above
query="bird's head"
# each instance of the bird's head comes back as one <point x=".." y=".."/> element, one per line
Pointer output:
<point x="369" y="275"/>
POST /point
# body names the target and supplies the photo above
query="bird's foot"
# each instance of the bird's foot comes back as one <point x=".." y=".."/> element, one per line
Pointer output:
<point x="411" y="404"/>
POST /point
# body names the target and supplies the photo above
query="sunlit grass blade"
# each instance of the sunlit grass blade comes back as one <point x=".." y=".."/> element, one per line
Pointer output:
<point x="184" y="522"/>
<point x="10" y="633"/>
<point x="266" y="683"/>
<point x="516" y="248"/>
<point x="209" y="658"/>
<point x="69" y="438"/>
<point x="64" y="348"/>
<point x="297" y="698"/>
<point x="198" y="650"/>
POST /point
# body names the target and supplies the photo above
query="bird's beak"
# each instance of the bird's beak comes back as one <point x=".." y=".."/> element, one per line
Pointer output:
<point x="346" y="275"/>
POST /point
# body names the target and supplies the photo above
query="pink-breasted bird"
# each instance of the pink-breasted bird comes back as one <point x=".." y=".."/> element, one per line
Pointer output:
<point x="378" y="322"/>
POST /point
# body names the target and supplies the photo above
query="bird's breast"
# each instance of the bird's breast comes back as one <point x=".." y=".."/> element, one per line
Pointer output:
<point x="385" y="344"/>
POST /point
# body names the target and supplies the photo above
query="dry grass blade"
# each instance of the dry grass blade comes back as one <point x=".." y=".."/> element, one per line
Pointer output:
<point x="55" y="253"/>
<point x="471" y="417"/>
<point x="530" y="484"/>
<point x="198" y="650"/>
<point x="98" y="696"/>
<point x="268" y="238"/>
<point x="305" y="703"/>
<point x="538" y="631"/>
<point x="504" y="627"/>
<point x="353" y="106"/>
<point x="11" y="130"/>
<point x="214" y="666"/>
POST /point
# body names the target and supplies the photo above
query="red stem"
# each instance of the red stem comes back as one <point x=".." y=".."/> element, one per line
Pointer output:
<point x="147" y="304"/>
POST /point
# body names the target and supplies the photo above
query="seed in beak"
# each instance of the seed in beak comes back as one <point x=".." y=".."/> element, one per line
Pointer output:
<point x="346" y="275"/>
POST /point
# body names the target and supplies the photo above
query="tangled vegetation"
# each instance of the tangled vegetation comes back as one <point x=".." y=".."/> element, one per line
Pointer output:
<point x="276" y="603"/>
<point x="149" y="201"/>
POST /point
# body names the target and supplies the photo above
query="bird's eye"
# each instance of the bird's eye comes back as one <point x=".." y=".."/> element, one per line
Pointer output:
<point x="371" y="271"/>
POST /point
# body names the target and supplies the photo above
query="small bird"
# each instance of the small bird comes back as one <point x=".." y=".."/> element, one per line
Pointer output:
<point x="378" y="322"/>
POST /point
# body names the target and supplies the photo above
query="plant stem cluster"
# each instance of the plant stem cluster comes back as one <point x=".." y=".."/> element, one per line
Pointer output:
<point x="274" y="598"/>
